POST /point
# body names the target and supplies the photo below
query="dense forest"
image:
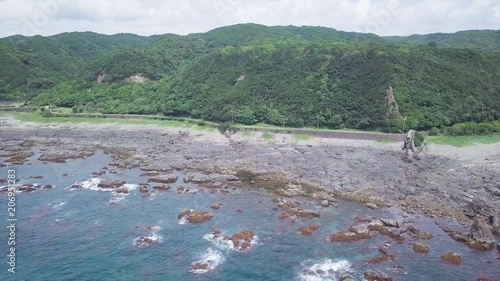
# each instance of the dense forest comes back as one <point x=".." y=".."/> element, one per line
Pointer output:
<point x="249" y="73"/>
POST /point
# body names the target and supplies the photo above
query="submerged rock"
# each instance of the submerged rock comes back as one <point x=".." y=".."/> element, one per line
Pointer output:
<point x="376" y="275"/>
<point x="216" y="206"/>
<point x="308" y="230"/>
<point x="147" y="241"/>
<point x="122" y="191"/>
<point x="421" y="248"/>
<point x="193" y="216"/>
<point x="348" y="237"/>
<point x="242" y="241"/>
<point x="347" y="277"/>
<point x="452" y="259"/>
<point x="143" y="189"/>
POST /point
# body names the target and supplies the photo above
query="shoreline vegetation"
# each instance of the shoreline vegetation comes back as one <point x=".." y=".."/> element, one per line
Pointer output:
<point x="298" y="134"/>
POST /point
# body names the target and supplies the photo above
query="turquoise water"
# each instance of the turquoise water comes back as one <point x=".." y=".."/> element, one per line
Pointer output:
<point x="79" y="235"/>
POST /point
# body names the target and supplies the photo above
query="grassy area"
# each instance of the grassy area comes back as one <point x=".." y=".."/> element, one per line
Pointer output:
<point x="302" y="137"/>
<point x="38" y="118"/>
<point x="248" y="134"/>
<point x="386" y="142"/>
<point x="292" y="129"/>
<point x="268" y="136"/>
<point x="464" y="141"/>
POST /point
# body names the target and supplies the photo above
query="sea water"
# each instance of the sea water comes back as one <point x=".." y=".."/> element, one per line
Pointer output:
<point x="89" y="234"/>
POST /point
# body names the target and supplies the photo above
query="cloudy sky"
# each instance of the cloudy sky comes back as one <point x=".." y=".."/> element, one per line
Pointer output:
<point x="147" y="17"/>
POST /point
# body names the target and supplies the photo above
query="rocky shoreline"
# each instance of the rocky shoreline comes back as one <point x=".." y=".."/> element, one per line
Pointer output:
<point x="436" y="186"/>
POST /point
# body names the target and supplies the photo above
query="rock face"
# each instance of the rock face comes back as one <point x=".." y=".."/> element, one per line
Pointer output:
<point x="452" y="259"/>
<point x="479" y="238"/>
<point x="376" y="275"/>
<point x="193" y="216"/>
<point x="308" y="230"/>
<point x="488" y="211"/>
<point x="421" y="248"/>
<point x="164" y="179"/>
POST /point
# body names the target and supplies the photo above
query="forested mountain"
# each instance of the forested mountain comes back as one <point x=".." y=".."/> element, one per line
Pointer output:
<point x="256" y="73"/>
<point x="485" y="40"/>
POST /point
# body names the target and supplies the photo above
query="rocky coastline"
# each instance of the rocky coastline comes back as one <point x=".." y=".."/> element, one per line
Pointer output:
<point x="370" y="174"/>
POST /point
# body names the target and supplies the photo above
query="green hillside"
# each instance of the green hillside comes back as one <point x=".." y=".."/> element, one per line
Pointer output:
<point x="258" y="74"/>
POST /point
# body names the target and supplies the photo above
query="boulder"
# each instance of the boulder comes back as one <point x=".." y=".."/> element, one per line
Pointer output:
<point x="292" y="190"/>
<point x="325" y="203"/>
<point x="390" y="223"/>
<point x="143" y="189"/>
<point x="122" y="191"/>
<point x="420" y="248"/>
<point x="452" y="259"/>
<point x="347" y="277"/>
<point x="372" y="206"/>
<point x="216" y="206"/>
<point x="376" y="275"/>
<point x="162" y="188"/>
<point x="145" y="241"/>
<point x="242" y="241"/>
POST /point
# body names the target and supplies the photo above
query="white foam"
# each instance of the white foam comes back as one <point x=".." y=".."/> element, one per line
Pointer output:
<point x="93" y="184"/>
<point x="212" y="258"/>
<point x="221" y="243"/>
<point x="327" y="270"/>
<point x="128" y="187"/>
<point x="115" y="201"/>
<point x="183" y="221"/>
<point x="155" y="228"/>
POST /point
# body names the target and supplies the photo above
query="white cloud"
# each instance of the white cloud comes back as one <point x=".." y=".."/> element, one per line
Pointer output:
<point x="497" y="11"/>
<point x="147" y="17"/>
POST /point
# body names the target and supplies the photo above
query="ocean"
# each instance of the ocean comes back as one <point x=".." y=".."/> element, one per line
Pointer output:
<point x="92" y="234"/>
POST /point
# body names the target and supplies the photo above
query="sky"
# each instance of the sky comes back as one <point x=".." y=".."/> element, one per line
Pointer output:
<point x="148" y="17"/>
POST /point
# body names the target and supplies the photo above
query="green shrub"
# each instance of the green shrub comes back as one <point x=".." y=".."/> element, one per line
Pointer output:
<point x="226" y="127"/>
<point x="434" y="132"/>
<point x="419" y="139"/>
